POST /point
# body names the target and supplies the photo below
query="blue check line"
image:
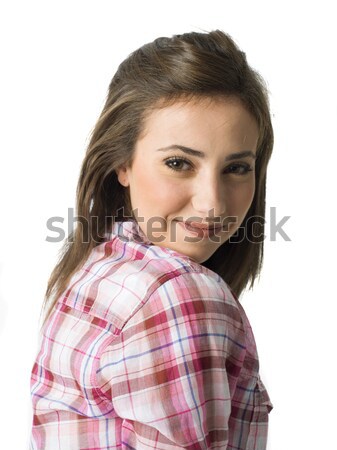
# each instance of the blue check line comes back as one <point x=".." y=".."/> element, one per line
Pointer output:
<point x="183" y="354"/>
<point x="71" y="407"/>
<point x="138" y="355"/>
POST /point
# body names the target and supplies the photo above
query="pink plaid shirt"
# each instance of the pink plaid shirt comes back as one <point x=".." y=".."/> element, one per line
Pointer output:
<point x="145" y="350"/>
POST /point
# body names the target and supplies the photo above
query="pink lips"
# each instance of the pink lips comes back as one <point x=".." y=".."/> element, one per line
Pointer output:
<point x="201" y="230"/>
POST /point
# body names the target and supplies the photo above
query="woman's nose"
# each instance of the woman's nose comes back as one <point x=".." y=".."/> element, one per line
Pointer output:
<point x="209" y="198"/>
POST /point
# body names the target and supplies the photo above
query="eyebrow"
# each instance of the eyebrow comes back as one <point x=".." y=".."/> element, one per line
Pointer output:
<point x="200" y="154"/>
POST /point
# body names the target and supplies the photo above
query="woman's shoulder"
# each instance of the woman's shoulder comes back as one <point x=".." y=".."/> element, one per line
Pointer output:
<point x="120" y="277"/>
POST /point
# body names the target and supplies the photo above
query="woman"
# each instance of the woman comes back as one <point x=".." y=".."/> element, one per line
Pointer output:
<point x="145" y="344"/>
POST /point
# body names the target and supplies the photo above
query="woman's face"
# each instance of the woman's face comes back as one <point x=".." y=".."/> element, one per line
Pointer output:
<point x="192" y="178"/>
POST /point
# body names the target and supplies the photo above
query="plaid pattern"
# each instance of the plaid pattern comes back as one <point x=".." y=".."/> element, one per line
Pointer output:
<point x="147" y="350"/>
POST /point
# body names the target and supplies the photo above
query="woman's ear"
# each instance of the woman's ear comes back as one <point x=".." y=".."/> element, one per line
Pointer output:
<point x="122" y="175"/>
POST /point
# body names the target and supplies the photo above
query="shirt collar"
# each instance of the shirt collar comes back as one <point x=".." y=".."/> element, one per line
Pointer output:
<point x="130" y="231"/>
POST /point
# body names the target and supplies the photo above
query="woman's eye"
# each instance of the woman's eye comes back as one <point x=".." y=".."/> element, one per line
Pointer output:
<point x="239" y="169"/>
<point x="178" y="164"/>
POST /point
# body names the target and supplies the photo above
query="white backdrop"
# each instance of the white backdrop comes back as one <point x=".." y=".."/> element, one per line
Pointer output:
<point x="57" y="59"/>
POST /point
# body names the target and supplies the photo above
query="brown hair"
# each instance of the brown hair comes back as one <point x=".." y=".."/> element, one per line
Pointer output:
<point x="189" y="65"/>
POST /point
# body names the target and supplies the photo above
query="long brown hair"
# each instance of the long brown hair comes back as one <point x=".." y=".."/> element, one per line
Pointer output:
<point x="189" y="65"/>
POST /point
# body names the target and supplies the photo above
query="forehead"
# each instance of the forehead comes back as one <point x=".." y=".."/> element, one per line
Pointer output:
<point x="198" y="119"/>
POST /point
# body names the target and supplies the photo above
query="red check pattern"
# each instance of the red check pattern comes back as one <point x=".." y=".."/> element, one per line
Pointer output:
<point x="146" y="350"/>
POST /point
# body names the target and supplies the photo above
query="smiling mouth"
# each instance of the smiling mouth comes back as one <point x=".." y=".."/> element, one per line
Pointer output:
<point x="200" y="229"/>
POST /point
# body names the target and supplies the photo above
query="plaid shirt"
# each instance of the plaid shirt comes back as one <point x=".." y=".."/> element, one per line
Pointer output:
<point x="147" y="350"/>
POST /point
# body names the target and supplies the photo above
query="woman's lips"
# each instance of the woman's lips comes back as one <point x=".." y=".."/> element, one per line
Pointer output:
<point x="200" y="229"/>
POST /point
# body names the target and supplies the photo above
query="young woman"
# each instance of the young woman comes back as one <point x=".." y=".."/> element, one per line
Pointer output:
<point x="145" y="344"/>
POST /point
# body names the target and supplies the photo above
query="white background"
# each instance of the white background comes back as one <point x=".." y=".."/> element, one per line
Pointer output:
<point x="57" y="58"/>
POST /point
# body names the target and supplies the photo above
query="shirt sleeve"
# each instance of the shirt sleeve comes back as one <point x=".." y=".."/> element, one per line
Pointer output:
<point x="171" y="372"/>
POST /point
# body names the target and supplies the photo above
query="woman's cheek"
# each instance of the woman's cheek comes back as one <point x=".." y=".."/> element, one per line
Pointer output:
<point x="240" y="200"/>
